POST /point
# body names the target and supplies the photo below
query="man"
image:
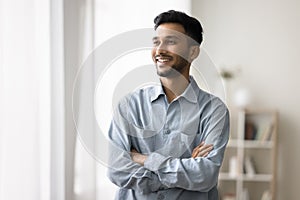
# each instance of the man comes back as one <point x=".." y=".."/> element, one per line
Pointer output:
<point x="168" y="141"/>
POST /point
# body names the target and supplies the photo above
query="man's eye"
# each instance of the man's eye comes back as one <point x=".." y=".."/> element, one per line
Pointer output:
<point x="155" y="43"/>
<point x="171" y="42"/>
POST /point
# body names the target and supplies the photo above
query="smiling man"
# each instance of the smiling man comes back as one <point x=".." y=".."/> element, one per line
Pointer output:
<point x="168" y="141"/>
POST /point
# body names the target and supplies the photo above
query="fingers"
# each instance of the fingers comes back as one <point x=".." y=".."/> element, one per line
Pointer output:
<point x="195" y="150"/>
<point x="202" y="150"/>
<point x="202" y="153"/>
<point x="198" y="149"/>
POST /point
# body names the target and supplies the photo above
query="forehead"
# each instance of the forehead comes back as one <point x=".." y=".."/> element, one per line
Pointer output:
<point x="170" y="29"/>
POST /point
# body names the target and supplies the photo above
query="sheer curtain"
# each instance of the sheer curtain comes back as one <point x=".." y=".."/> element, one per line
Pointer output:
<point x="25" y="99"/>
<point x="42" y="44"/>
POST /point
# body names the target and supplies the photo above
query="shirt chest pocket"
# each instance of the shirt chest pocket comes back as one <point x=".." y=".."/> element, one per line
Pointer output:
<point x="144" y="145"/>
<point x="193" y="135"/>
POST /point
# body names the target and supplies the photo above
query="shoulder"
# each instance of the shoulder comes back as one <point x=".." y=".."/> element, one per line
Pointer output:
<point x="142" y="94"/>
<point x="138" y="97"/>
<point x="211" y="103"/>
<point x="205" y="98"/>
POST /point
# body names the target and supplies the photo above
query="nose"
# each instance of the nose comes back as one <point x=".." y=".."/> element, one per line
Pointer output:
<point x="161" y="48"/>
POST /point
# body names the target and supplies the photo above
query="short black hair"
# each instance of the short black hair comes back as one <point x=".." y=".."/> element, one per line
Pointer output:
<point x="191" y="25"/>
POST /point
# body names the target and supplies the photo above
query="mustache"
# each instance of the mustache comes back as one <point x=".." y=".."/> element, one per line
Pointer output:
<point x="162" y="56"/>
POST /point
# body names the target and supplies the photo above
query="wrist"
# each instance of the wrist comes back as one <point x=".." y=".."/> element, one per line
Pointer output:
<point x="138" y="158"/>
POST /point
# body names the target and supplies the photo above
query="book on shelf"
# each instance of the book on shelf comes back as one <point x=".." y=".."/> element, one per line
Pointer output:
<point x="260" y="132"/>
<point x="265" y="132"/>
<point x="249" y="167"/>
<point x="250" y="131"/>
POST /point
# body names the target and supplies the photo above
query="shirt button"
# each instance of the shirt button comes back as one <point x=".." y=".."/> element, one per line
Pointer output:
<point x="167" y="131"/>
<point x="160" y="197"/>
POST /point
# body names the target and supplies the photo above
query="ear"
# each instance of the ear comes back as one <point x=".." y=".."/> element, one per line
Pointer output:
<point x="194" y="52"/>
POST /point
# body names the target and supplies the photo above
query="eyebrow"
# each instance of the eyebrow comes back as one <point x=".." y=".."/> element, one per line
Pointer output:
<point x="167" y="37"/>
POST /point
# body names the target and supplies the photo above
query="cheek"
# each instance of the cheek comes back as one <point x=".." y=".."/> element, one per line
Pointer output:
<point x="186" y="55"/>
<point x="178" y="52"/>
<point x="153" y="55"/>
<point x="153" y="52"/>
<point x="181" y="56"/>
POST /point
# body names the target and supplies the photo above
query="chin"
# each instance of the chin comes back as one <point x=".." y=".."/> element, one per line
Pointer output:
<point x="162" y="73"/>
<point x="163" y="70"/>
<point x="167" y="73"/>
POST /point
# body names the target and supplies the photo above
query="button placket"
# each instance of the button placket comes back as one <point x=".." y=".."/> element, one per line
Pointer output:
<point x="167" y="131"/>
<point x="161" y="197"/>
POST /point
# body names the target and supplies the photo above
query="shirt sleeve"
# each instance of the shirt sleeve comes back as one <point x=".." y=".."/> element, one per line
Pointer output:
<point x="122" y="171"/>
<point x="196" y="174"/>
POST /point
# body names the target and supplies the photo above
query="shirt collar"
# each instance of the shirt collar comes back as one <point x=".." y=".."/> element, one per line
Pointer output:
<point x="156" y="92"/>
<point x="190" y="93"/>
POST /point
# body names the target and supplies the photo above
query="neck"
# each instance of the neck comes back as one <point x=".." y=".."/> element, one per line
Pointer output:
<point x="174" y="86"/>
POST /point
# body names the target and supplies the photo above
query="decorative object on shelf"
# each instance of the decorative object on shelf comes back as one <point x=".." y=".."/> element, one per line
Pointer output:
<point x="228" y="73"/>
<point x="236" y="93"/>
<point x="266" y="195"/>
<point x="245" y="195"/>
<point x="242" y="98"/>
<point x="233" y="166"/>
<point x="229" y="197"/>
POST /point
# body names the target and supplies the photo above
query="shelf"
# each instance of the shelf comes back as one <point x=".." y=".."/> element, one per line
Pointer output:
<point x="227" y="177"/>
<point x="254" y="178"/>
<point x="234" y="143"/>
<point x="255" y="155"/>
<point x="258" y="178"/>
<point x="258" y="144"/>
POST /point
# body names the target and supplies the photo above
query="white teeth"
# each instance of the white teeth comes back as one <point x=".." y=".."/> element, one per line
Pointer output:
<point x="163" y="60"/>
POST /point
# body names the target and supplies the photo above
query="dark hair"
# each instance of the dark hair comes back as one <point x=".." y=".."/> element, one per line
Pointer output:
<point x="191" y="25"/>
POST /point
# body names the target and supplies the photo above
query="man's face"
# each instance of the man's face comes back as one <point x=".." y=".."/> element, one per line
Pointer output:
<point x="171" y="50"/>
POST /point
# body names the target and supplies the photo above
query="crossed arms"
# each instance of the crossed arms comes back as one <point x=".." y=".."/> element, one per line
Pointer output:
<point x="202" y="150"/>
<point x="130" y="169"/>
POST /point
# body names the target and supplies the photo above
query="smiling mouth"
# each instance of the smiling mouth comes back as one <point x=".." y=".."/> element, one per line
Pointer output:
<point x="163" y="59"/>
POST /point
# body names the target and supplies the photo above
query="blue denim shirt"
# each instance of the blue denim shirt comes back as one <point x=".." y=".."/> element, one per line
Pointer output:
<point x="167" y="133"/>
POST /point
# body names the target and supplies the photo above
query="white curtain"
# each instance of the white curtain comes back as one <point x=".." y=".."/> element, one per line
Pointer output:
<point x="40" y="52"/>
<point x="25" y="99"/>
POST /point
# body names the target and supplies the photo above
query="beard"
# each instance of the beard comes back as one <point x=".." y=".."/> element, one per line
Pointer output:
<point x="163" y="70"/>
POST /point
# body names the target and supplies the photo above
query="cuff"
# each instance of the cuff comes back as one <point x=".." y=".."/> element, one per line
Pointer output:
<point x="154" y="161"/>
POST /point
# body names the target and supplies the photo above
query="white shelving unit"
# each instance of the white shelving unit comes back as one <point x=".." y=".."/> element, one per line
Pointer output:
<point x="249" y="166"/>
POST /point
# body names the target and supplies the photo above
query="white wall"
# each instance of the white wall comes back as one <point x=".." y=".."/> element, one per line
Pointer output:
<point x="263" y="37"/>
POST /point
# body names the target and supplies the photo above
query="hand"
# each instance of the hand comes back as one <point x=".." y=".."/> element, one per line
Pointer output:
<point x="202" y="150"/>
<point x="138" y="157"/>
